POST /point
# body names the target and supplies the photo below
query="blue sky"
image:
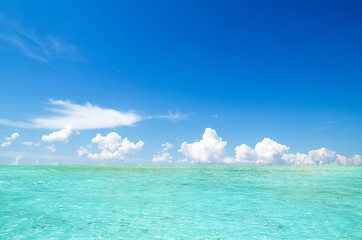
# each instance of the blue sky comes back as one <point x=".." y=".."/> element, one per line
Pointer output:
<point x="248" y="70"/>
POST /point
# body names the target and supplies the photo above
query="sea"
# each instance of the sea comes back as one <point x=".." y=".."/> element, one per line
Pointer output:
<point x="180" y="202"/>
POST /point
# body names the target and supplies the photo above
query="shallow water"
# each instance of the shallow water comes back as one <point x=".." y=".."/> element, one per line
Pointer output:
<point x="197" y="202"/>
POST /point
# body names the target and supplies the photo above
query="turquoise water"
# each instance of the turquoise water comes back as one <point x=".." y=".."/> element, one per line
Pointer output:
<point x="198" y="202"/>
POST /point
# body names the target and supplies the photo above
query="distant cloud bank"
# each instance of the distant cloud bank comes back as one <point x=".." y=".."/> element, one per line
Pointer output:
<point x="211" y="149"/>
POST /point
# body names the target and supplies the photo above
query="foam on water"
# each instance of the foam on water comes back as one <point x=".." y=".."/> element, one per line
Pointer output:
<point x="197" y="202"/>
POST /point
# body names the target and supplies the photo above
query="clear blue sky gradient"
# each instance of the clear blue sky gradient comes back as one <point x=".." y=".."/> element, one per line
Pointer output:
<point x="287" y="70"/>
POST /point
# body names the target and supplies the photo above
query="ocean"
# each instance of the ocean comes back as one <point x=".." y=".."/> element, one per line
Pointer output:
<point x="180" y="202"/>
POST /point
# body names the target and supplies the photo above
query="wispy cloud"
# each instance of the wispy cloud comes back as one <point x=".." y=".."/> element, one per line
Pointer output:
<point x="80" y="117"/>
<point x="173" y="116"/>
<point x="33" y="45"/>
<point x="87" y="116"/>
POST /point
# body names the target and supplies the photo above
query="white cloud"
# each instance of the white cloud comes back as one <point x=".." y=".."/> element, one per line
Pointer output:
<point x="51" y="148"/>
<point x="112" y="146"/>
<point x="297" y="159"/>
<point x="12" y="137"/>
<point x="355" y="160"/>
<point x="210" y="149"/>
<point x="61" y="135"/>
<point x="5" y="144"/>
<point x="16" y="161"/>
<point x="80" y="117"/>
<point x="269" y="152"/>
<point x="265" y="152"/>
<point x="9" y="140"/>
<point x="36" y="162"/>
<point x="321" y="156"/>
<point x="85" y="117"/>
<point x="173" y="116"/>
<point x="166" y="146"/>
<point x="30" y="143"/>
<point x="163" y="157"/>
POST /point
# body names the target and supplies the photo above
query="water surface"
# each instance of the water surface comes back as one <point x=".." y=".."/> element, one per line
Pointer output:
<point x="197" y="202"/>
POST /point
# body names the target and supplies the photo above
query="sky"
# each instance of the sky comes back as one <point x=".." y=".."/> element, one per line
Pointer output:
<point x="180" y="82"/>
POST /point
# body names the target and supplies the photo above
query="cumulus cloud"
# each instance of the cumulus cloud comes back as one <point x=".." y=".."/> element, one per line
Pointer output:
<point x="80" y="117"/>
<point x="9" y="140"/>
<point x="61" y="135"/>
<point x="269" y="152"/>
<point x="208" y="150"/>
<point x="265" y="152"/>
<point x="112" y="146"/>
<point x="321" y="156"/>
<point x="51" y="148"/>
<point x="163" y="156"/>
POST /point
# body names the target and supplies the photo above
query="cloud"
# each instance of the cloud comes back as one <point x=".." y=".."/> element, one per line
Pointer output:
<point x="163" y="156"/>
<point x="61" y="135"/>
<point x="12" y="137"/>
<point x="28" y="143"/>
<point x="35" y="46"/>
<point x="265" y="152"/>
<point x="16" y="161"/>
<point x="166" y="146"/>
<point x="9" y="140"/>
<point x="321" y="156"/>
<point x="269" y="152"/>
<point x="208" y="150"/>
<point x="211" y="149"/>
<point x="80" y="117"/>
<point x="51" y="148"/>
<point x="86" y="116"/>
<point x="112" y="146"/>
<point x="6" y="144"/>
<point x="173" y="116"/>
